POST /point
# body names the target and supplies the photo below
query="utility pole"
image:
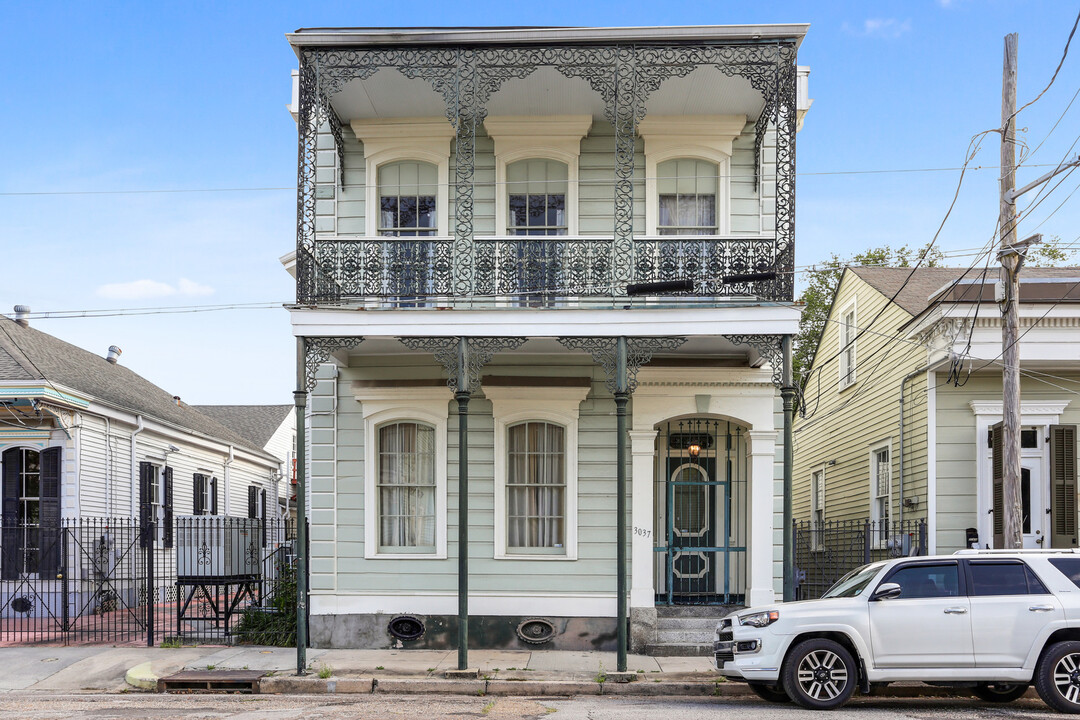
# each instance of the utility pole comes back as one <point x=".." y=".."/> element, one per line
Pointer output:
<point x="1011" y="260"/>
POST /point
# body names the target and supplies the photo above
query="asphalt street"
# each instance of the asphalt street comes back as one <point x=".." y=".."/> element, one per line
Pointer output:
<point x="295" y="707"/>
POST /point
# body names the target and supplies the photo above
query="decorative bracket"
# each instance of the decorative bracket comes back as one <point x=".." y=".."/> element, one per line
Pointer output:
<point x="604" y="351"/>
<point x="319" y="350"/>
<point x="769" y="348"/>
<point x="65" y="417"/>
<point x="462" y="356"/>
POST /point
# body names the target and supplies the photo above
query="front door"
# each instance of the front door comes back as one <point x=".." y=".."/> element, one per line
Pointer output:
<point x="1034" y="508"/>
<point x="692" y="532"/>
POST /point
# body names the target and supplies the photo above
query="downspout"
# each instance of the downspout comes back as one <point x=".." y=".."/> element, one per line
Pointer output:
<point x="108" y="467"/>
<point x="225" y="480"/>
<point x="900" y="469"/>
<point x="134" y="466"/>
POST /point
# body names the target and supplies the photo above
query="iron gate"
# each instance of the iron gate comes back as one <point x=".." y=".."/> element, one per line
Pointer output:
<point x="701" y="523"/>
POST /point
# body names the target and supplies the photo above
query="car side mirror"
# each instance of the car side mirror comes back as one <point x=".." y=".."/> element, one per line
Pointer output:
<point x="886" y="591"/>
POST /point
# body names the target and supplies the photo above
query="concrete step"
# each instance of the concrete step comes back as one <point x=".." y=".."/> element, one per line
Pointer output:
<point x="692" y="637"/>
<point x="718" y="611"/>
<point x="663" y="649"/>
<point x="686" y="623"/>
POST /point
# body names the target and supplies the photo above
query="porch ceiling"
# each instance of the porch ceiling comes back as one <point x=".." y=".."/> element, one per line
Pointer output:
<point x="705" y="91"/>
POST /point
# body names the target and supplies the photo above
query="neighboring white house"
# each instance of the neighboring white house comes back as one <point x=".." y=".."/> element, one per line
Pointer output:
<point x="485" y="267"/>
<point x="82" y="436"/>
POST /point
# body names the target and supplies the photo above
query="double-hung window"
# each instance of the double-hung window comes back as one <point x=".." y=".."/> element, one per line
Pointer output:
<point x="406" y="487"/>
<point x="536" y="488"/>
<point x="408" y="192"/>
<point x="536" y="195"/>
<point x="848" y="332"/>
<point x="880" y="494"/>
<point x="817" y="510"/>
<point x="687" y="191"/>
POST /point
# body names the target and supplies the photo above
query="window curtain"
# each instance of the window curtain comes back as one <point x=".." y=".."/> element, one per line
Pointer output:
<point x="536" y="486"/>
<point x="407" y="486"/>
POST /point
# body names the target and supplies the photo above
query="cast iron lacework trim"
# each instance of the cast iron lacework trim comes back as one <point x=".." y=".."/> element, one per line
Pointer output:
<point x="769" y="348"/>
<point x="639" y="351"/>
<point x="623" y="75"/>
<point x="319" y="350"/>
<point x="478" y="352"/>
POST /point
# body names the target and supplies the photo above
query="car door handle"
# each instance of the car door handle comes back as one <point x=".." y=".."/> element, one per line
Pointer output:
<point x="1041" y="608"/>
<point x="955" y="610"/>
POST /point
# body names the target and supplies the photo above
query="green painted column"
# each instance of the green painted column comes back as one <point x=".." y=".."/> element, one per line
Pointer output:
<point x="462" y="395"/>
<point x="300" y="397"/>
<point x="787" y="392"/>
<point x="622" y="395"/>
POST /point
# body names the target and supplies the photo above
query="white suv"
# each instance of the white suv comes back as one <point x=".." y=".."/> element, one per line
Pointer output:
<point x="995" y="621"/>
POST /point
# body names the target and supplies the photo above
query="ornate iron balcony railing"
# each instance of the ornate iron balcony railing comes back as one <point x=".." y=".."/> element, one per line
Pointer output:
<point x="540" y="267"/>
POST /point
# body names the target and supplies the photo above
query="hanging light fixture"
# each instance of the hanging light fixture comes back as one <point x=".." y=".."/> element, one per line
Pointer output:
<point x="694" y="449"/>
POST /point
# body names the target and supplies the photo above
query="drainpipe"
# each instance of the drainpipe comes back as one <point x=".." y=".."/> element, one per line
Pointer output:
<point x="108" y="467"/>
<point x="134" y="465"/>
<point x="787" y="392"/>
<point x="228" y="462"/>
<point x="900" y="469"/>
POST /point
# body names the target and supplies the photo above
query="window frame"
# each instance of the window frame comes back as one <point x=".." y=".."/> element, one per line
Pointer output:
<point x="846" y="338"/>
<point x="385" y="405"/>
<point x="513" y="406"/>
<point x="659" y="177"/>
<point x="879" y="541"/>
<point x="419" y="232"/>
<point x="511" y="230"/>
<point x="555" y="137"/>
<point x="817" y="492"/>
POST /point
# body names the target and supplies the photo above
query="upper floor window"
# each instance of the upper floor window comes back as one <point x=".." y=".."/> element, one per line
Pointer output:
<point x="408" y="193"/>
<point x="817" y="509"/>
<point x="687" y="197"/>
<point x="406" y="487"/>
<point x="880" y="494"/>
<point x="536" y="194"/>
<point x="848" y="333"/>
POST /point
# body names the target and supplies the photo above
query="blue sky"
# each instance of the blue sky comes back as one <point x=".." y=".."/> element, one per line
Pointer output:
<point x="114" y="96"/>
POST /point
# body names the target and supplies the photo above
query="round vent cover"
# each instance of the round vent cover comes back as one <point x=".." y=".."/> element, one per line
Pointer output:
<point x="536" y="631"/>
<point x="406" y="627"/>
<point x="22" y="605"/>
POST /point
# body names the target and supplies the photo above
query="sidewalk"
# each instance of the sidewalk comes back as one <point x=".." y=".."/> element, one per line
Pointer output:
<point x="97" y="669"/>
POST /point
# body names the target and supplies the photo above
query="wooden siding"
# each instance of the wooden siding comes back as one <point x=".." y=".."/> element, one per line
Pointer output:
<point x="843" y="426"/>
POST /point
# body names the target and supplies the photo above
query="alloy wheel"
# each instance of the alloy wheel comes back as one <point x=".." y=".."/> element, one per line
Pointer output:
<point x="1067" y="677"/>
<point x="822" y="675"/>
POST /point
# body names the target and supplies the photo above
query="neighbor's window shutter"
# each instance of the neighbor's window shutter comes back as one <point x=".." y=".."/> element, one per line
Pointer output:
<point x="11" y="546"/>
<point x="146" y="477"/>
<point x="262" y="513"/>
<point x="997" y="473"/>
<point x="213" y="496"/>
<point x="1063" y="486"/>
<point x="198" y="493"/>
<point x="49" y="513"/>
<point x="167" y="533"/>
<point x="252" y="490"/>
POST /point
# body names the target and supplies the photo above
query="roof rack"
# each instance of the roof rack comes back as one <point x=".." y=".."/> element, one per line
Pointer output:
<point x="1022" y="551"/>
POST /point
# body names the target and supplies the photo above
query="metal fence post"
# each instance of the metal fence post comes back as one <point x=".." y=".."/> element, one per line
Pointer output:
<point x="867" y="533"/>
<point x="150" y="604"/>
<point x="65" y="588"/>
<point x="922" y="538"/>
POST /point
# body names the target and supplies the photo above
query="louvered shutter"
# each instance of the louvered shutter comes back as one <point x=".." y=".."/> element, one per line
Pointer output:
<point x="167" y="507"/>
<point x="146" y="479"/>
<point x="252" y="500"/>
<point x="11" y="538"/>
<point x="198" y="494"/>
<point x="1063" y="486"/>
<point x="997" y="479"/>
<point x="49" y="513"/>
<point x="213" y="496"/>
<point x="262" y="514"/>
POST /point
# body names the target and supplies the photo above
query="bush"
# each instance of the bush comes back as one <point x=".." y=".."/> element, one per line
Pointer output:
<point x="275" y="623"/>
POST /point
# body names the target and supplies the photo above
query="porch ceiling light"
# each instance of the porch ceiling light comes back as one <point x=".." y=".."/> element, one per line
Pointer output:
<point x="694" y="450"/>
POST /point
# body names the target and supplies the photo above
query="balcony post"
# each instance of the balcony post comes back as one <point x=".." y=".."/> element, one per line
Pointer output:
<point x="462" y="396"/>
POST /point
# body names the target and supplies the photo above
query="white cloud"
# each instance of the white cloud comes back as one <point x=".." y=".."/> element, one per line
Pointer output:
<point x="146" y="289"/>
<point x="880" y="27"/>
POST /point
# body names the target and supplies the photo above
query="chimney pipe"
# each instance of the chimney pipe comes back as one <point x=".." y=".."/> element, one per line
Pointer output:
<point x="176" y="399"/>
<point x="114" y="354"/>
<point x="21" y="311"/>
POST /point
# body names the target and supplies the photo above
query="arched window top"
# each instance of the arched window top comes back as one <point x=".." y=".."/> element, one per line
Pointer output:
<point x="408" y="198"/>
<point x="536" y="191"/>
<point x="687" y="194"/>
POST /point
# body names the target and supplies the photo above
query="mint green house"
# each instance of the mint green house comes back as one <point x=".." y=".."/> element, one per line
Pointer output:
<point x="553" y="266"/>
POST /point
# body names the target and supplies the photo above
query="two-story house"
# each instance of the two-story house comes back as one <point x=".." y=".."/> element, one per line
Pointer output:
<point x="901" y="405"/>
<point x="544" y="276"/>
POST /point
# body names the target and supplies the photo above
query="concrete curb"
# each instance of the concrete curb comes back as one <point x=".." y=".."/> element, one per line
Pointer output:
<point x="142" y="676"/>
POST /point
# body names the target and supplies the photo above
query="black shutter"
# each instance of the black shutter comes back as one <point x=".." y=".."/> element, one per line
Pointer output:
<point x="198" y="486"/>
<point x="11" y="539"/>
<point x="252" y="490"/>
<point x="213" y="496"/>
<point x="167" y="531"/>
<point x="146" y="479"/>
<point x="49" y="513"/>
<point x="1063" y="486"/>
<point x="997" y="475"/>
<point x="262" y="514"/>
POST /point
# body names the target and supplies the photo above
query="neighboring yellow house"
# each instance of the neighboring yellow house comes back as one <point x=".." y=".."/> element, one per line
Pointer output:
<point x="900" y="400"/>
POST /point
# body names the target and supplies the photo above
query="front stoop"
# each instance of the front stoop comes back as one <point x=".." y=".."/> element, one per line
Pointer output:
<point x="684" y="631"/>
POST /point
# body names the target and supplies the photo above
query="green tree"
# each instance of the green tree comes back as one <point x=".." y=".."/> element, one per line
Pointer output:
<point x="821" y="281"/>
<point x="1051" y="252"/>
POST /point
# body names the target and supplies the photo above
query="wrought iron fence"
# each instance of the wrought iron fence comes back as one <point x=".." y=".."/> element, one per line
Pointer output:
<point x="114" y="580"/>
<point x="538" y="269"/>
<point x="826" y="551"/>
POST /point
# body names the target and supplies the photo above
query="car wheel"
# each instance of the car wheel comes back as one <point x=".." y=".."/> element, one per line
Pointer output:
<point x="769" y="693"/>
<point x="999" y="692"/>
<point x="1057" y="677"/>
<point x="819" y="674"/>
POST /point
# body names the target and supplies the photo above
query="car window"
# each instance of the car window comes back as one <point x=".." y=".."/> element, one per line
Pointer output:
<point x="852" y="584"/>
<point x="1069" y="567"/>
<point x="927" y="581"/>
<point x="1004" y="578"/>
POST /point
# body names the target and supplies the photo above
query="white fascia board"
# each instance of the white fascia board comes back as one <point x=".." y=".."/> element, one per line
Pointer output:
<point x="532" y="36"/>
<point x="44" y="390"/>
<point x="517" y="322"/>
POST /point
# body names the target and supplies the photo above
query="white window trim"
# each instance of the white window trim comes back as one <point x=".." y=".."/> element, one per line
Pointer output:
<point x="396" y="139"/>
<point x="379" y="406"/>
<point x="559" y="405"/>
<point x="555" y="137"/>
<point x="845" y="331"/>
<point x="817" y="489"/>
<point x="874" y="518"/>
<point x="699" y="137"/>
